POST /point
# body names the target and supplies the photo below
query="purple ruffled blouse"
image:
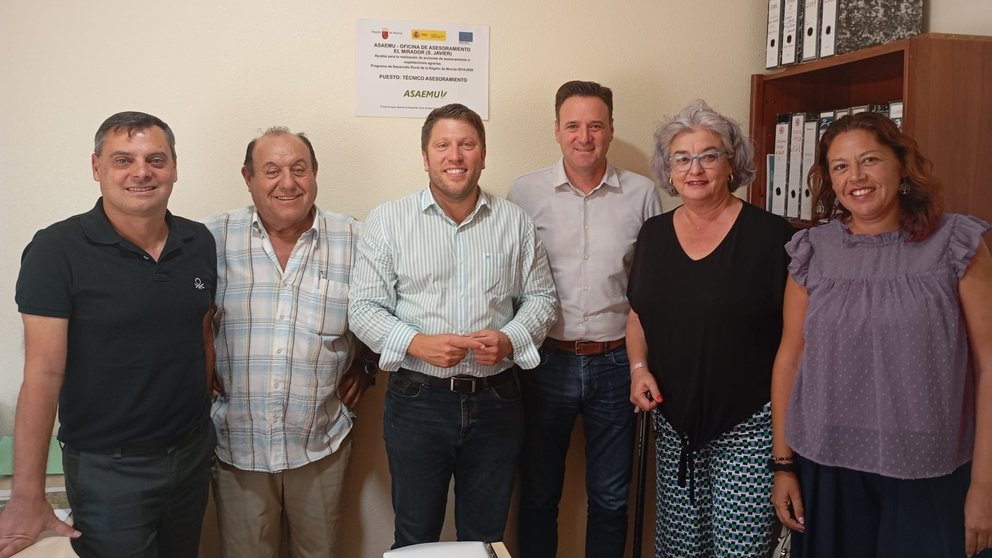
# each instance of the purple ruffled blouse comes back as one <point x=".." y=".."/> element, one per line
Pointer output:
<point x="884" y="385"/>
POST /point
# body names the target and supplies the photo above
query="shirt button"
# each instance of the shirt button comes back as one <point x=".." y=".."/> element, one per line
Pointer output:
<point x="278" y="351"/>
<point x="585" y="257"/>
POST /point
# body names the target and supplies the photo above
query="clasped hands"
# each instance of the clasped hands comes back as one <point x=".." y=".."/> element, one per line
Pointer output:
<point x="448" y="349"/>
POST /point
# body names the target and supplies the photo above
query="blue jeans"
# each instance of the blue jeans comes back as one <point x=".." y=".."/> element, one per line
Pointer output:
<point x="146" y="503"/>
<point x="557" y="391"/>
<point x="432" y="434"/>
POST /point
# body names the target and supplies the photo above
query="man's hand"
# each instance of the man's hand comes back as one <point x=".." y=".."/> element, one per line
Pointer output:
<point x="444" y="350"/>
<point x="23" y="520"/>
<point x="353" y="384"/>
<point x="217" y="386"/>
<point x="495" y="346"/>
<point x="28" y="513"/>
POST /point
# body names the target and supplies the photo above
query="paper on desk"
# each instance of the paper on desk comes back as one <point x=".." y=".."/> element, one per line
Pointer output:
<point x="461" y="549"/>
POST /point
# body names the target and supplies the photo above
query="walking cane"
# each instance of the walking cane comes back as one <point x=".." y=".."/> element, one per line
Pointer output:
<point x="642" y="466"/>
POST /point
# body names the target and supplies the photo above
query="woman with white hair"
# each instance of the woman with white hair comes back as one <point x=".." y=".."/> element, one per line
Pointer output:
<point x="706" y="288"/>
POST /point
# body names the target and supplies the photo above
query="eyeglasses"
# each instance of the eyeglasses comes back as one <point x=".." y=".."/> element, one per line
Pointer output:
<point x="682" y="162"/>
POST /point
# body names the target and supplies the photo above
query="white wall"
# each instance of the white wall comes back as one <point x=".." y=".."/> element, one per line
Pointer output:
<point x="967" y="17"/>
<point x="220" y="72"/>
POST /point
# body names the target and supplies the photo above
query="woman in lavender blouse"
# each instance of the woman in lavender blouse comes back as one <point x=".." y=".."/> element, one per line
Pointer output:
<point x="882" y="386"/>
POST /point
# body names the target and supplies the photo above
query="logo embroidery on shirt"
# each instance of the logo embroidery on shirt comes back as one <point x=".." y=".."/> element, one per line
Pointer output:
<point x="198" y="284"/>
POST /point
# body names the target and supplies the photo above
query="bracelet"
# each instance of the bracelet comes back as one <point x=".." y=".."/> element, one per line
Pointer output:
<point x="783" y="466"/>
<point x="782" y="459"/>
<point x="636" y="366"/>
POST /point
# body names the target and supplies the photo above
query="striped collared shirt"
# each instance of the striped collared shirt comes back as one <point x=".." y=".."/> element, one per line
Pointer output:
<point x="417" y="271"/>
<point x="282" y="341"/>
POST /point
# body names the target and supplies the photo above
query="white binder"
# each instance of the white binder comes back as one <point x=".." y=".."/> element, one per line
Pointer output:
<point x="781" y="176"/>
<point x="773" y="45"/>
<point x="795" y="179"/>
<point x="790" y="29"/>
<point x="895" y="113"/>
<point x="828" y="27"/>
<point x="826" y="118"/>
<point x="769" y="180"/>
<point x="811" y="30"/>
<point x="810" y="137"/>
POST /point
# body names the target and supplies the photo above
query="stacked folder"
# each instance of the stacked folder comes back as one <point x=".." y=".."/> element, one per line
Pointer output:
<point x="796" y="138"/>
<point x="803" y="30"/>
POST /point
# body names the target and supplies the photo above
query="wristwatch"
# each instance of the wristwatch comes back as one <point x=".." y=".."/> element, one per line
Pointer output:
<point x="370" y="366"/>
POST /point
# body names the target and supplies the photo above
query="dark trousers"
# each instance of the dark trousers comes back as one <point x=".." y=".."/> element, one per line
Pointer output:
<point x="146" y="503"/>
<point x="863" y="515"/>
<point x="433" y="434"/>
<point x="564" y="386"/>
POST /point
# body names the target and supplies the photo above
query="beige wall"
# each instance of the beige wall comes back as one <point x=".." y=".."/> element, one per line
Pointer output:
<point x="219" y="72"/>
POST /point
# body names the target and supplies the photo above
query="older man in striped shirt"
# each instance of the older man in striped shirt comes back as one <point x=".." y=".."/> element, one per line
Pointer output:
<point x="452" y="287"/>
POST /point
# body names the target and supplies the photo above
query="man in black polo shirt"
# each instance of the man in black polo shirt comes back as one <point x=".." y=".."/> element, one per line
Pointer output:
<point x="115" y="304"/>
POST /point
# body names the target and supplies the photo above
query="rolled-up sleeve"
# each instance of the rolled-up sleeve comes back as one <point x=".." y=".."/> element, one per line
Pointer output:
<point x="537" y="304"/>
<point x="372" y="299"/>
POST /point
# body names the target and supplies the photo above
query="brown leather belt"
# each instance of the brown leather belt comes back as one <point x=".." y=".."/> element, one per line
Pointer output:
<point x="586" y="348"/>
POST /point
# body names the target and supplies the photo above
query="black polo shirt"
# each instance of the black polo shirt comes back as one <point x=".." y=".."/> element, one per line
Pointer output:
<point x="135" y="369"/>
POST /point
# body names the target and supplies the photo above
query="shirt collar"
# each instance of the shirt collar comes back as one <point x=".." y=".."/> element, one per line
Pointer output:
<point x="97" y="227"/>
<point x="258" y="227"/>
<point x="427" y="201"/>
<point x="610" y="178"/>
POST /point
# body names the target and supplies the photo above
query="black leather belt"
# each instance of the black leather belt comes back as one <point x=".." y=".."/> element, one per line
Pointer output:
<point x="458" y="384"/>
<point x="154" y="447"/>
<point x="586" y="348"/>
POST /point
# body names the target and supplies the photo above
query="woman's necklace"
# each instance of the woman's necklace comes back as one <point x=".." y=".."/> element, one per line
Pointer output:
<point x="692" y="224"/>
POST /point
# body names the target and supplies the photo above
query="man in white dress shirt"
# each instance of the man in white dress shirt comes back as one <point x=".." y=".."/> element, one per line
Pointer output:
<point x="588" y="214"/>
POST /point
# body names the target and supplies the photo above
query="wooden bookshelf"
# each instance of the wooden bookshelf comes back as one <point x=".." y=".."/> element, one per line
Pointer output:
<point x="945" y="83"/>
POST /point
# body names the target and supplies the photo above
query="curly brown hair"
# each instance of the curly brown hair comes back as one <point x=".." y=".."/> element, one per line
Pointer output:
<point x="920" y="209"/>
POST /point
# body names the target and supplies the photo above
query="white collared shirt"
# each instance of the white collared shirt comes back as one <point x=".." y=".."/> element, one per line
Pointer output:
<point x="420" y="272"/>
<point x="590" y="244"/>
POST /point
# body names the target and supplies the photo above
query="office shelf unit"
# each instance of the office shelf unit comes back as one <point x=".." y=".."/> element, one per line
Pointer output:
<point x="945" y="83"/>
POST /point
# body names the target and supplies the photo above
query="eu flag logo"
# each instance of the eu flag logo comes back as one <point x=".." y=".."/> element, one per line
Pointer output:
<point x="465" y="36"/>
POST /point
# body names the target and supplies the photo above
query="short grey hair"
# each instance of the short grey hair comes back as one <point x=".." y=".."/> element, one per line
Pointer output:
<point x="695" y="117"/>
